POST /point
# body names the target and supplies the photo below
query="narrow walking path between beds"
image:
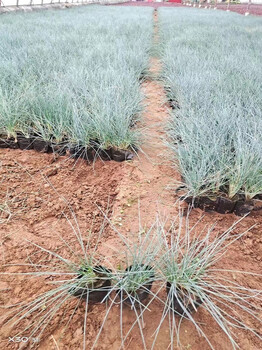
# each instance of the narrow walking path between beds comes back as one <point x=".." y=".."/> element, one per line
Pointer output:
<point x="143" y="192"/>
<point x="146" y="180"/>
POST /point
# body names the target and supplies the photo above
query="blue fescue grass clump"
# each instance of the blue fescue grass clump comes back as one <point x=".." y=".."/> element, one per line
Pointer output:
<point x="74" y="74"/>
<point x="213" y="74"/>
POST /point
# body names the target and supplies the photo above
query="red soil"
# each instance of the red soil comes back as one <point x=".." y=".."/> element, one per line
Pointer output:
<point x="36" y="204"/>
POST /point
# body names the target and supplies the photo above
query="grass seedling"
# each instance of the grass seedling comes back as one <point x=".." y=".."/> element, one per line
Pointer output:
<point x="133" y="279"/>
<point x="189" y="266"/>
<point x="76" y="276"/>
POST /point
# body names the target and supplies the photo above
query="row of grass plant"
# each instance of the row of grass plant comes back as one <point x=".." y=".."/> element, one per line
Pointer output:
<point x="213" y="75"/>
<point x="182" y="260"/>
<point x="74" y="75"/>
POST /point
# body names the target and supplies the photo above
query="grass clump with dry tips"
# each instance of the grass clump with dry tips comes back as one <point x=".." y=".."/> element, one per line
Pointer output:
<point x="71" y="278"/>
<point x="191" y="268"/>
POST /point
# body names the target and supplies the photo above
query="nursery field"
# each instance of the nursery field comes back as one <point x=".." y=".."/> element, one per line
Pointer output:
<point x="130" y="179"/>
<point x="56" y="88"/>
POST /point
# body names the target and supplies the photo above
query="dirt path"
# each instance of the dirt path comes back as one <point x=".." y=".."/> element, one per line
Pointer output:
<point x="144" y="191"/>
<point x="145" y="183"/>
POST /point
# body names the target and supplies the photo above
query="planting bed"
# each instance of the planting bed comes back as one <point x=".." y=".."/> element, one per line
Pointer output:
<point x="44" y="198"/>
<point x="217" y="118"/>
<point x="72" y="79"/>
